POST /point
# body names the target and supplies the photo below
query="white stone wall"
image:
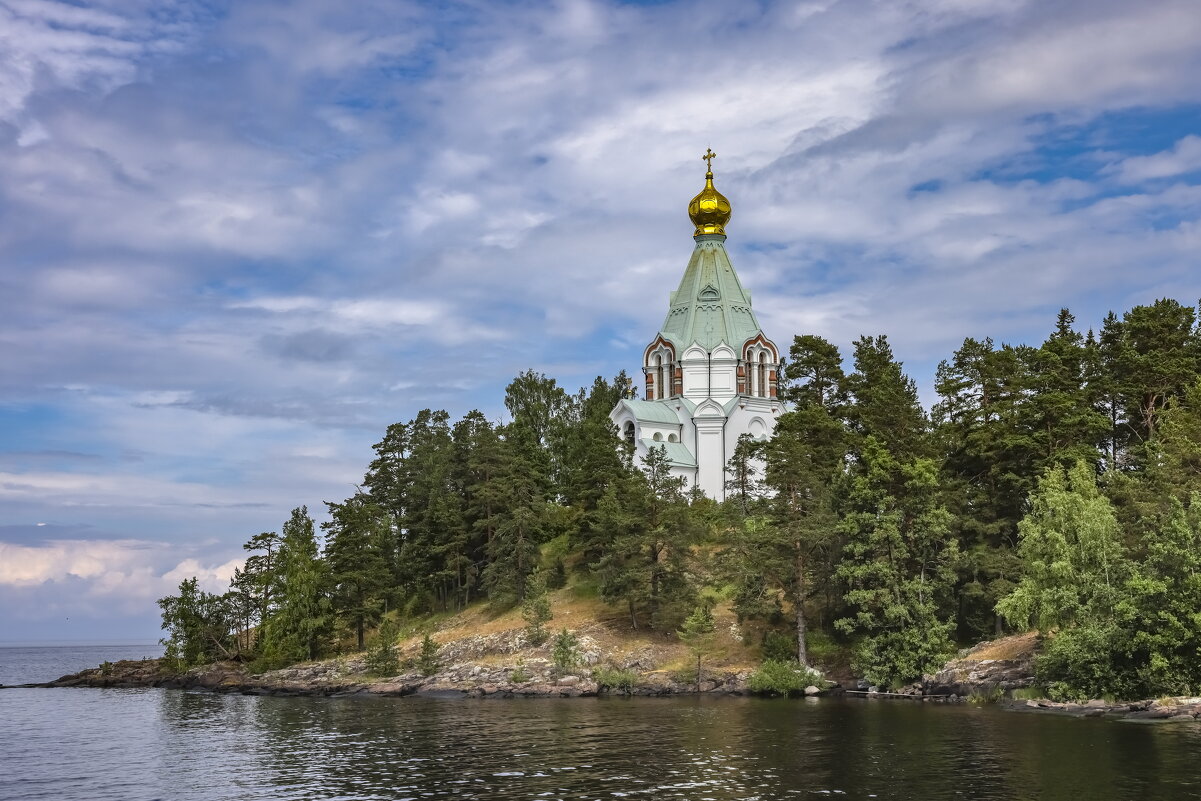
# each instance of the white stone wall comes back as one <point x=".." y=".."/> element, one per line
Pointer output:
<point x="709" y="433"/>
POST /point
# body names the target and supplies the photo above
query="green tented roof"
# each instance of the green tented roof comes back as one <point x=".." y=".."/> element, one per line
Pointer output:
<point x="710" y="307"/>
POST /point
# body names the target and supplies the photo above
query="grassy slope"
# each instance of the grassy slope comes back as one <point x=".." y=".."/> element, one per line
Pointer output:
<point x="577" y="609"/>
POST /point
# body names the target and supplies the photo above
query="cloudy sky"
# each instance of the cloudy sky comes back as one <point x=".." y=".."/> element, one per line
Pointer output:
<point x="238" y="239"/>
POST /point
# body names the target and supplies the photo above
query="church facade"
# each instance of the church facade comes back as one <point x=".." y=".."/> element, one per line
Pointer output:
<point x="710" y="372"/>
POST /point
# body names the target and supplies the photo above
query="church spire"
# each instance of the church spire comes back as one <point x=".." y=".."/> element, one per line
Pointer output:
<point x="710" y="210"/>
<point x="710" y="372"/>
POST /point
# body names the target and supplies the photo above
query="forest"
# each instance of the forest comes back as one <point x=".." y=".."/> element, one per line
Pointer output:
<point x="1051" y="487"/>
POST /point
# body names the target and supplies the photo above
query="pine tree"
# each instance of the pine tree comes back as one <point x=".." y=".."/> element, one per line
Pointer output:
<point x="381" y="658"/>
<point x="432" y="526"/>
<point x="814" y="374"/>
<point x="1148" y="358"/>
<point x="480" y="464"/>
<point x="259" y="569"/>
<point x="744" y="476"/>
<point x="537" y="405"/>
<point x="565" y="653"/>
<point x="428" y="661"/>
<point x="883" y="400"/>
<point x="587" y="442"/>
<point x="669" y="535"/>
<point x="790" y="550"/>
<point x="1062" y="414"/>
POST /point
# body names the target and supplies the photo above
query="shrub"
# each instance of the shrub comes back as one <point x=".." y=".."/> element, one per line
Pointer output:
<point x="1084" y="662"/>
<point x="614" y="678"/>
<point x="780" y="678"/>
<point x="566" y="653"/>
<point x="520" y="674"/>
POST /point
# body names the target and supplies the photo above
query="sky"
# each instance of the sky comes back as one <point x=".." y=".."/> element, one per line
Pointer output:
<point x="239" y="239"/>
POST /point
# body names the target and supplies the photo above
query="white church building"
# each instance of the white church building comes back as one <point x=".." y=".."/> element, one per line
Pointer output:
<point x="710" y="371"/>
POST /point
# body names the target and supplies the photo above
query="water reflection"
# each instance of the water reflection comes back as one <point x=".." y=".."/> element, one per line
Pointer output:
<point x="157" y="744"/>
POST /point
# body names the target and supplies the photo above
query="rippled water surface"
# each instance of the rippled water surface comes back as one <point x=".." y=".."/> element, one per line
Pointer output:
<point x="27" y="664"/>
<point x="146" y="744"/>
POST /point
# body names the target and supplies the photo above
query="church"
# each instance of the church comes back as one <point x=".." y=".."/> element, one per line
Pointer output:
<point x="710" y="372"/>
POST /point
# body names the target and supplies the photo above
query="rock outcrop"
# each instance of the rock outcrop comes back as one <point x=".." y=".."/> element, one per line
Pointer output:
<point x="528" y="678"/>
<point x="989" y="670"/>
<point x="1176" y="709"/>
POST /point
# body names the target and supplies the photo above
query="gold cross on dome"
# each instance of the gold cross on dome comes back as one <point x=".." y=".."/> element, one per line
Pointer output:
<point x="708" y="158"/>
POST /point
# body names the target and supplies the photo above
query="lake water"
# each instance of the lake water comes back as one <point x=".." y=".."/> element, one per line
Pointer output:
<point x="159" y="744"/>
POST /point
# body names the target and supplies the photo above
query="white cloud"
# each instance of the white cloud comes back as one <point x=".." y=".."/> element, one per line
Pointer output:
<point x="136" y="570"/>
<point x="237" y="248"/>
<point x="1184" y="157"/>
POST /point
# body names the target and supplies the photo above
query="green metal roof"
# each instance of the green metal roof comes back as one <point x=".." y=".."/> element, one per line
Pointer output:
<point x="677" y="453"/>
<point x="652" y="411"/>
<point x="710" y="307"/>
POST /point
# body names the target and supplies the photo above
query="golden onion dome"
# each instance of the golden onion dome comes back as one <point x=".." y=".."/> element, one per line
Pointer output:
<point x="710" y="210"/>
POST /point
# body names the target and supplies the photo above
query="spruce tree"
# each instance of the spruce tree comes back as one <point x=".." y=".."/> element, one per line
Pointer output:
<point x="297" y="629"/>
<point x="646" y="560"/>
<point x="535" y="609"/>
<point x="520" y="519"/>
<point x="898" y="566"/>
<point x="697" y="632"/>
<point x="899" y="559"/>
<point x="357" y="551"/>
<point x="988" y="469"/>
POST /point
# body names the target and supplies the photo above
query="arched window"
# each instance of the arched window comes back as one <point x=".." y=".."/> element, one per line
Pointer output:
<point x="629" y="432"/>
<point x="762" y="374"/>
<point x="672" y="438"/>
<point x="658" y="367"/>
<point x="658" y="437"/>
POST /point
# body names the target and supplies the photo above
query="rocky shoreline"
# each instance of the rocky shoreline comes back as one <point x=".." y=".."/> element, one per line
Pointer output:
<point x="345" y="677"/>
<point x="991" y="672"/>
